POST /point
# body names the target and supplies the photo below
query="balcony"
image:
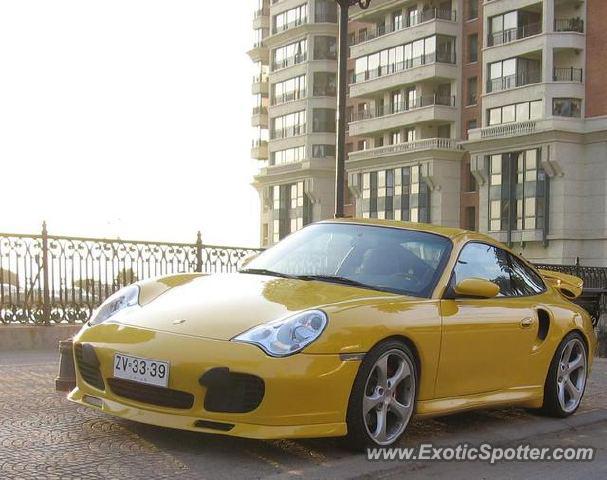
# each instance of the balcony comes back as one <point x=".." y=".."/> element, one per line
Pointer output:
<point x="289" y="62"/>
<point x="569" y="25"/>
<point x="404" y="148"/>
<point x="512" y="34"/>
<point x="288" y="132"/>
<point x="421" y="17"/>
<point x="259" y="117"/>
<point x="260" y="84"/>
<point x="567" y="74"/>
<point x="259" y="149"/>
<point x="427" y="59"/>
<point x="260" y="52"/>
<point x="262" y="12"/>
<point x="290" y="25"/>
<point x="512" y="81"/>
<point x="422" y="110"/>
<point x="288" y="97"/>
<point x="508" y="130"/>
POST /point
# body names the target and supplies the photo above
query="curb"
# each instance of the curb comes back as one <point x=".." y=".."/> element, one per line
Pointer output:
<point x="35" y="337"/>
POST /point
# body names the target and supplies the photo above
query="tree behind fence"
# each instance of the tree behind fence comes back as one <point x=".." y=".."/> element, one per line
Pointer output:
<point x="56" y="279"/>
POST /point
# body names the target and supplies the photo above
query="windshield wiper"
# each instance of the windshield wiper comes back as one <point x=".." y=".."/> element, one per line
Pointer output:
<point x="335" y="279"/>
<point x="265" y="271"/>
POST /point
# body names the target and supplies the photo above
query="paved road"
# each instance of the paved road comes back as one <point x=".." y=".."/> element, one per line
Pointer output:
<point x="44" y="436"/>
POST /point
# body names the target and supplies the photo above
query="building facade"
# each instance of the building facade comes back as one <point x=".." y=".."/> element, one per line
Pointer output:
<point x="489" y="115"/>
<point x="295" y="131"/>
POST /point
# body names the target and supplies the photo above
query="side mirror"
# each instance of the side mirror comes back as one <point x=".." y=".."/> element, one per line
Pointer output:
<point x="476" y="288"/>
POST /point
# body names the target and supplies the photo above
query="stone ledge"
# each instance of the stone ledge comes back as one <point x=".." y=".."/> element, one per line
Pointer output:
<point x="34" y="337"/>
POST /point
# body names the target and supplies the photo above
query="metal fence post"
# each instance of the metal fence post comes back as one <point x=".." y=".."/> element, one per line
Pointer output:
<point x="199" y="252"/>
<point x="46" y="298"/>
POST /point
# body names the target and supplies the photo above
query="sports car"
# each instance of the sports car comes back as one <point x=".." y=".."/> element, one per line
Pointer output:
<point x="346" y="328"/>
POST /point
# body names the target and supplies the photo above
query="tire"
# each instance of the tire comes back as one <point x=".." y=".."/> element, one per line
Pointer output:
<point x="381" y="405"/>
<point x="566" y="380"/>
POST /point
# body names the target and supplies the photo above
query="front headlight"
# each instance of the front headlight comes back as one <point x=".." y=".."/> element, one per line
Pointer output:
<point x="125" y="298"/>
<point x="288" y="335"/>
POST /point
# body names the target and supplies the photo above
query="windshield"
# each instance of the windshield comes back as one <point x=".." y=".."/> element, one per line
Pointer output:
<point x="382" y="258"/>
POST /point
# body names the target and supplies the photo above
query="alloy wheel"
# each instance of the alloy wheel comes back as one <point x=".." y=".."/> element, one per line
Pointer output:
<point x="389" y="397"/>
<point x="571" y="375"/>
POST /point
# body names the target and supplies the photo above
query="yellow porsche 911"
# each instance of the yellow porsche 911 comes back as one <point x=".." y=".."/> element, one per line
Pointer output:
<point x="345" y="328"/>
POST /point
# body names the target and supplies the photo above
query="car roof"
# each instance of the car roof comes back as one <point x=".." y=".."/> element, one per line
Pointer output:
<point x="449" y="232"/>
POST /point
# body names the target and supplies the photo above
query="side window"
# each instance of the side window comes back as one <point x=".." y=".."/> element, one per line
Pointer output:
<point x="524" y="280"/>
<point x="478" y="260"/>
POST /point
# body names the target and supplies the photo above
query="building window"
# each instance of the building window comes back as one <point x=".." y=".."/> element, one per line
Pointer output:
<point x="362" y="145"/>
<point x="518" y="112"/>
<point x="323" y="151"/>
<point x="397" y="20"/>
<point x="325" y="84"/>
<point x="472" y="91"/>
<point x="472" y="9"/>
<point x="289" y="90"/>
<point x="472" y="124"/>
<point x="567" y="107"/>
<point x="473" y="48"/>
<point x="516" y="191"/>
<point x="289" y="125"/>
<point x="513" y="72"/>
<point x="397" y="193"/>
<point x="323" y="120"/>
<point x="325" y="48"/>
<point x="291" y="54"/>
<point x="291" y="18"/>
<point x="437" y="48"/>
<point x="290" y="155"/>
<point x="259" y="35"/>
<point x="325" y="11"/>
<point x="395" y="137"/>
<point x="513" y="25"/>
<point x="291" y="209"/>
<point x="470" y="218"/>
<point x="378" y="141"/>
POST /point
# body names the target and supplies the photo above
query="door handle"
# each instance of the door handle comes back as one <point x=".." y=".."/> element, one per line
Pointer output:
<point x="527" y="322"/>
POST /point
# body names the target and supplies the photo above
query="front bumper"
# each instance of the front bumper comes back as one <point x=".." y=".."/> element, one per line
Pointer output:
<point x="305" y="395"/>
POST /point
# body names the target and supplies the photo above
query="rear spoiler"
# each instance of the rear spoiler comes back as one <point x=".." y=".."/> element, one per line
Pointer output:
<point x="568" y="285"/>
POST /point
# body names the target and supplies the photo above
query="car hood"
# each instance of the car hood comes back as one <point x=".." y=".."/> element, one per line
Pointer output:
<point x="224" y="305"/>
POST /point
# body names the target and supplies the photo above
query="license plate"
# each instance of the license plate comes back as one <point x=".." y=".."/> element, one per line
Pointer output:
<point x="142" y="370"/>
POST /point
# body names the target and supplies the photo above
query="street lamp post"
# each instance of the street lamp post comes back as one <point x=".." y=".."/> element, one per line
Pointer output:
<point x="342" y="86"/>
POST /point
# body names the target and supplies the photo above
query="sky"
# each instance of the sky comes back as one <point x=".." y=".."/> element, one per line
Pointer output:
<point x="127" y="118"/>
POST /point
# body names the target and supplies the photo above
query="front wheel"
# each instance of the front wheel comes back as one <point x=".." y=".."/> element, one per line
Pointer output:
<point x="383" y="396"/>
<point x="566" y="381"/>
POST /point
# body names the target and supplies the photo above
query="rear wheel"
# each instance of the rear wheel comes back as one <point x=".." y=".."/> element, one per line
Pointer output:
<point x="383" y="396"/>
<point x="566" y="381"/>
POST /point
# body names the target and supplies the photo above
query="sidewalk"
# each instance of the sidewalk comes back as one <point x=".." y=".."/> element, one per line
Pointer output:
<point x="44" y="436"/>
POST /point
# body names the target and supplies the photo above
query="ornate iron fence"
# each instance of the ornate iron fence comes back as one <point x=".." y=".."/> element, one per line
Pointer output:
<point x="47" y="279"/>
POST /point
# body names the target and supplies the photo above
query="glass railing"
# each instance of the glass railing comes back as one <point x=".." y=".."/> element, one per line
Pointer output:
<point x="569" y="25"/>
<point x="289" y="61"/>
<point x="287" y="132"/>
<point x="567" y="74"/>
<point x="287" y="26"/>
<point x="512" y="81"/>
<point x="512" y="34"/>
<point x="383" y="70"/>
<point x="406" y="22"/>
<point x="400" y="107"/>
<point x="289" y="97"/>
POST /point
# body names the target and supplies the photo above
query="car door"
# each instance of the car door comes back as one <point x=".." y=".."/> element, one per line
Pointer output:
<point x="486" y="343"/>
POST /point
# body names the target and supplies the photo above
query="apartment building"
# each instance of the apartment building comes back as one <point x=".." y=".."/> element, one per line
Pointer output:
<point x="295" y="57"/>
<point x="539" y="152"/>
<point x="489" y="115"/>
